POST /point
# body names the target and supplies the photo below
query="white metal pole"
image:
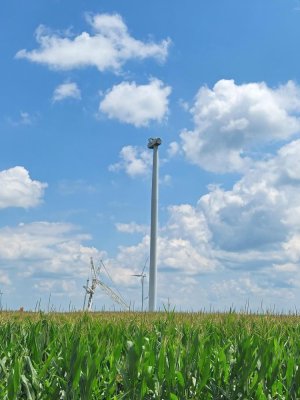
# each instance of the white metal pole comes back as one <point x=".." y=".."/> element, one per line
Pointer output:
<point x="153" y="144"/>
<point x="86" y="291"/>
<point x="142" y="278"/>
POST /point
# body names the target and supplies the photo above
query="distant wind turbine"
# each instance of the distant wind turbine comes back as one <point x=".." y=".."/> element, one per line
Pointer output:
<point x="142" y="275"/>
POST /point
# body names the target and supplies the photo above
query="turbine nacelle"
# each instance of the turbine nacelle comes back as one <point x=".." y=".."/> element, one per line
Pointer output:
<point x="153" y="142"/>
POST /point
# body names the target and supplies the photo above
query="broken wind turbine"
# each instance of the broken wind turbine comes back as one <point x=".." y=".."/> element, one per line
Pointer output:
<point x="96" y="281"/>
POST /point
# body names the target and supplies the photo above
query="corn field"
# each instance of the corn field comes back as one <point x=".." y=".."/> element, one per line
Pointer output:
<point x="149" y="356"/>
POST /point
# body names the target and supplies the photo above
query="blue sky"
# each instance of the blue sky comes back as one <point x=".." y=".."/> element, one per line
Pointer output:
<point x="83" y="87"/>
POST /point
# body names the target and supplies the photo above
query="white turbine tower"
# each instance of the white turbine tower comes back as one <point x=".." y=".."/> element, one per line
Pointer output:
<point x="153" y="143"/>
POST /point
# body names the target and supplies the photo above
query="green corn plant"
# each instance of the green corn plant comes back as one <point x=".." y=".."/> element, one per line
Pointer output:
<point x="168" y="355"/>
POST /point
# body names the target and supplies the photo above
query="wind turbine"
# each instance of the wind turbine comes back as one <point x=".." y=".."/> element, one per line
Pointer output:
<point x="142" y="276"/>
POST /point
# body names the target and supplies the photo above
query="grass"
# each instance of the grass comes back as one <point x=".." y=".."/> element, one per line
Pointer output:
<point x="149" y="356"/>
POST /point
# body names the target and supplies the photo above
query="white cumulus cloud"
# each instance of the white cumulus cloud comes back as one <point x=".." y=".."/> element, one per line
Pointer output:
<point x="66" y="90"/>
<point x="246" y="287"/>
<point x="17" y="189"/>
<point x="4" y="279"/>
<point x="183" y="244"/>
<point x="231" y="120"/>
<point x="137" y="104"/>
<point x="173" y="149"/>
<point x="261" y="212"/>
<point x="134" y="161"/>
<point x="131" y="227"/>
<point x="46" y="247"/>
<point x="24" y="118"/>
<point x="108" y="47"/>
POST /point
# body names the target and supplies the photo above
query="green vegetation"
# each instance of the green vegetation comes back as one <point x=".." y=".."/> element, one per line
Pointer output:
<point x="149" y="356"/>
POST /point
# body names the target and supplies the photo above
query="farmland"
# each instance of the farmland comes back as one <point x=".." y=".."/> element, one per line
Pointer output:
<point x="149" y="356"/>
